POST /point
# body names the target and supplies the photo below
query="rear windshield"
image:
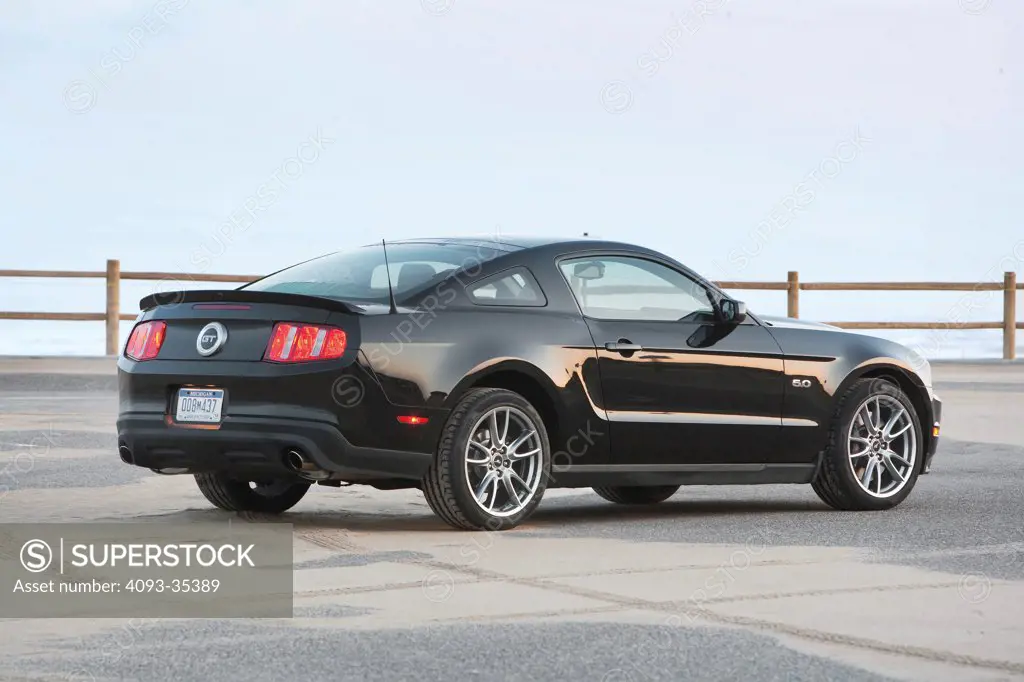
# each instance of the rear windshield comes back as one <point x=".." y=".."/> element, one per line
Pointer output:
<point x="359" y="276"/>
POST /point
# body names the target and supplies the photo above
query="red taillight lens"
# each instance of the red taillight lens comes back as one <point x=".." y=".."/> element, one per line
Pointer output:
<point x="304" y="342"/>
<point x="145" y="341"/>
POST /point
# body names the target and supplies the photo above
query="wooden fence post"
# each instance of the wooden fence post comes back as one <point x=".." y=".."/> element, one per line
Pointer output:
<point x="1009" y="315"/>
<point x="113" y="306"/>
<point x="793" y="298"/>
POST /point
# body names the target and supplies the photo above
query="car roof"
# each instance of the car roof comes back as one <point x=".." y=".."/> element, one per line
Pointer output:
<point x="524" y="242"/>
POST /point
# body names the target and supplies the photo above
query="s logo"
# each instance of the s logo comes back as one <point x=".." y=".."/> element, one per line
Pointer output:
<point x="36" y="556"/>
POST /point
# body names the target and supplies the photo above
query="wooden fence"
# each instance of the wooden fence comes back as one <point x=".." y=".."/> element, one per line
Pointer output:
<point x="793" y="286"/>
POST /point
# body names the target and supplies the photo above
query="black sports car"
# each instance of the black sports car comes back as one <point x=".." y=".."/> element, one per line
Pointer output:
<point x="484" y="372"/>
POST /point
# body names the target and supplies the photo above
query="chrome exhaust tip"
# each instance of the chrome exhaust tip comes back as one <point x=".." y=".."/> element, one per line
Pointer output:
<point x="171" y="471"/>
<point x="126" y="454"/>
<point x="304" y="466"/>
<point x="294" y="460"/>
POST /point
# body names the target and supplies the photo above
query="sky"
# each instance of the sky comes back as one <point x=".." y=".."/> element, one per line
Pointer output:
<point x="845" y="139"/>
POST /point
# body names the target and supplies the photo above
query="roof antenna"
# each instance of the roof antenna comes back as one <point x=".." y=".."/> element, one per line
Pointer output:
<point x="387" y="269"/>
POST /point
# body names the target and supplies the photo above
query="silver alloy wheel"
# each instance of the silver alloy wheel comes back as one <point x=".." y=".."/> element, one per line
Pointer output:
<point x="882" y="445"/>
<point x="504" y="459"/>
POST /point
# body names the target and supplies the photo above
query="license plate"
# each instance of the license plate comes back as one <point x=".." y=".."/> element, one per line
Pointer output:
<point x="199" y="405"/>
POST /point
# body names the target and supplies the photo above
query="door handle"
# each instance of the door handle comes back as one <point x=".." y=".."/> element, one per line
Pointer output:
<point x="623" y="346"/>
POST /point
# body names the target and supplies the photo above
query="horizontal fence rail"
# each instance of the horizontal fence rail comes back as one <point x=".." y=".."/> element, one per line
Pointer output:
<point x="792" y="286"/>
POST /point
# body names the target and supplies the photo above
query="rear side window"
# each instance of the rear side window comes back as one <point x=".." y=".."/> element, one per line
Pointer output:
<point x="359" y="276"/>
<point x="515" y="287"/>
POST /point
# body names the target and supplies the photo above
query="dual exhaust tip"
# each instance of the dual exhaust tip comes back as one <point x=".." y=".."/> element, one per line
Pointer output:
<point x="300" y="463"/>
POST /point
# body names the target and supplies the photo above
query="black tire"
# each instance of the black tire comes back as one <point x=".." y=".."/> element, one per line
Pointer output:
<point x="445" y="485"/>
<point x="637" y="494"/>
<point x="835" y="481"/>
<point x="234" y="495"/>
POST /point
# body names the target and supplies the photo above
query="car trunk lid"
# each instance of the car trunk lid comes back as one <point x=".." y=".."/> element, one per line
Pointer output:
<point x="237" y="324"/>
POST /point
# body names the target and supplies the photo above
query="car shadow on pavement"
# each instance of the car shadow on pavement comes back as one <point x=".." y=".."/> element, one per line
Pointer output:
<point x="380" y="522"/>
<point x="596" y="511"/>
<point x="556" y="513"/>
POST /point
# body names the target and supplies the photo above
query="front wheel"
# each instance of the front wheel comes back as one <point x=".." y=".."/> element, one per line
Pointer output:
<point x="637" y="494"/>
<point x="267" y="497"/>
<point x="874" y="451"/>
<point x="492" y="464"/>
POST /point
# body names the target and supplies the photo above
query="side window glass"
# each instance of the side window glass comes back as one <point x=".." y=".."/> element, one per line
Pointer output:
<point x="516" y="287"/>
<point x="626" y="288"/>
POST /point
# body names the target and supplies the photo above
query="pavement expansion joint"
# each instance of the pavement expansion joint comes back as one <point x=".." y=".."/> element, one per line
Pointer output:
<point x="694" y="614"/>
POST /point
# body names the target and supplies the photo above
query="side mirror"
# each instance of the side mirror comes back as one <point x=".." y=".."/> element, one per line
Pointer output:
<point x="733" y="312"/>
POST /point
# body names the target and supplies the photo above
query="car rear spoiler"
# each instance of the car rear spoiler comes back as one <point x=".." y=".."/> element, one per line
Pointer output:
<point x="174" y="298"/>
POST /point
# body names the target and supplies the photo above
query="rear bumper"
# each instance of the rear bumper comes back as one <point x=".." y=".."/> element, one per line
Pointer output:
<point x="933" y="433"/>
<point x="256" y="446"/>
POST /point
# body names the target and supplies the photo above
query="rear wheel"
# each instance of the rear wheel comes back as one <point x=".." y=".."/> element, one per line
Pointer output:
<point x="637" y="494"/>
<point x="874" y="451"/>
<point x="491" y="467"/>
<point x="269" y="496"/>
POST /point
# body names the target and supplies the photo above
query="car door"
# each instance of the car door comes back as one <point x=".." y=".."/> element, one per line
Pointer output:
<point x="679" y="386"/>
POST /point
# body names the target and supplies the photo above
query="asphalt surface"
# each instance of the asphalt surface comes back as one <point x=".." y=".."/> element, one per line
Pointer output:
<point x="718" y="583"/>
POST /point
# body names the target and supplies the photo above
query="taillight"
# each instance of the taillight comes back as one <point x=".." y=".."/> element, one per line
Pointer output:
<point x="304" y="342"/>
<point x="145" y="341"/>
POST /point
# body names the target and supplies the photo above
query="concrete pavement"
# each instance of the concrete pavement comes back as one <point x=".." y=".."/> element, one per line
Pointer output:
<point x="717" y="583"/>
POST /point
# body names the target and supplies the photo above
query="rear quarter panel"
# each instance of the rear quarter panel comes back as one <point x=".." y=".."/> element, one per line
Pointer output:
<point x="430" y="359"/>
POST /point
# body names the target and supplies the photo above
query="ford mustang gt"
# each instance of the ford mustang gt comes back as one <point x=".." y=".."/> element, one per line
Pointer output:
<point x="484" y="372"/>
